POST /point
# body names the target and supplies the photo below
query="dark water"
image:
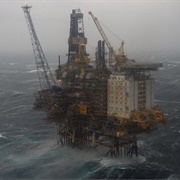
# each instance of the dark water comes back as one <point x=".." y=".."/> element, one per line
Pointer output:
<point x="28" y="146"/>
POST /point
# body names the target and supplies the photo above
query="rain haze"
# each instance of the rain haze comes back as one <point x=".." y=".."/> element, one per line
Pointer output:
<point x="145" y="26"/>
<point x="119" y="109"/>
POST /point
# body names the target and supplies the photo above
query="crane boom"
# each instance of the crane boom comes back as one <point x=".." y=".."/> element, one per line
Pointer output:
<point x="45" y="76"/>
<point x="103" y="34"/>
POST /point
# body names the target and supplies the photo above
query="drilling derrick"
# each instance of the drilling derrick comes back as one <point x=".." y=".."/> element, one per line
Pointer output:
<point x="77" y="40"/>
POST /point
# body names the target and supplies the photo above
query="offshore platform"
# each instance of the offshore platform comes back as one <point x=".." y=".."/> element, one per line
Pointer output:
<point x="102" y="105"/>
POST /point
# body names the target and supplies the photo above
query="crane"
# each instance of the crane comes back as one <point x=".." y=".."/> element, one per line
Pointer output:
<point x="46" y="79"/>
<point x="118" y="57"/>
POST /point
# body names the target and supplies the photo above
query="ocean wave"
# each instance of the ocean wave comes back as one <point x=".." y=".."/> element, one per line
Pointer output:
<point x="30" y="66"/>
<point x="123" y="160"/>
<point x="2" y="136"/>
<point x="18" y="110"/>
<point x="32" y="71"/>
<point x="17" y="92"/>
<point x="161" y="68"/>
<point x="173" y="102"/>
<point x="142" y="171"/>
<point x="12" y="64"/>
<point x="29" y="81"/>
<point x="9" y="72"/>
<point x="174" y="62"/>
<point x="12" y="94"/>
<point x="174" y="177"/>
<point x="27" y="151"/>
<point x="172" y="65"/>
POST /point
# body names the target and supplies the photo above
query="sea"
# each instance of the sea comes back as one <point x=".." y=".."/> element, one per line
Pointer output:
<point x="28" y="144"/>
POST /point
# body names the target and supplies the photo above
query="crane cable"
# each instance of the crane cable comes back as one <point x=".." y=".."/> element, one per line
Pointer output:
<point x="115" y="35"/>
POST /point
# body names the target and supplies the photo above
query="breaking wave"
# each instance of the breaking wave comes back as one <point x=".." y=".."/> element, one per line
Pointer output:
<point x="32" y="71"/>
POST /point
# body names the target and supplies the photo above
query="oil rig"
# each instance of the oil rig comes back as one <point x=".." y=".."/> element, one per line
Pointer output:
<point x="102" y="105"/>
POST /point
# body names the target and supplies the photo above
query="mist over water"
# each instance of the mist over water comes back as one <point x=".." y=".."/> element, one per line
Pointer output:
<point x="28" y="145"/>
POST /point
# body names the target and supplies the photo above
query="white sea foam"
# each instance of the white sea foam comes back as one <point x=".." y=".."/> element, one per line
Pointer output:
<point x="12" y="64"/>
<point x="32" y="71"/>
<point x="30" y="80"/>
<point x="2" y="136"/>
<point x="162" y="68"/>
<point x="124" y="160"/>
<point x="31" y="154"/>
<point x="173" y="102"/>
<point x="120" y="162"/>
<point x="17" y="92"/>
<point x="30" y="65"/>
<point x="172" y="65"/>
<point x="140" y="143"/>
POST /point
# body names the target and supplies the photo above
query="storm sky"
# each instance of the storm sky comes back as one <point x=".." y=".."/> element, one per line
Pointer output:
<point x="143" y="25"/>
